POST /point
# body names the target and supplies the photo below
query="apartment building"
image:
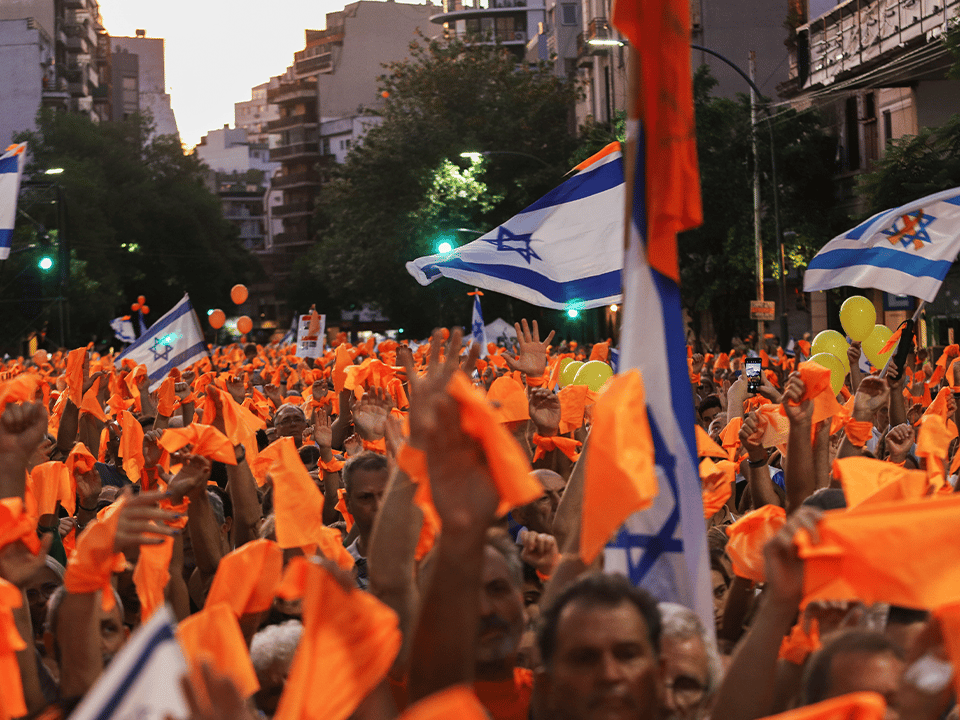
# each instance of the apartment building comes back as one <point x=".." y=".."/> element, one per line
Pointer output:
<point x="150" y="91"/>
<point x="254" y="114"/>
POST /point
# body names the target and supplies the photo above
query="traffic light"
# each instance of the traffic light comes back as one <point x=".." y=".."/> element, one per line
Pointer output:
<point x="45" y="263"/>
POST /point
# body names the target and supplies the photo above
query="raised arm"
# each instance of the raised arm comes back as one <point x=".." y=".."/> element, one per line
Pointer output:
<point x="798" y="473"/>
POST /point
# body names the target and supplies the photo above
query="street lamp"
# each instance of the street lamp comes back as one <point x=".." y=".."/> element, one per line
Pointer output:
<point x="53" y="171"/>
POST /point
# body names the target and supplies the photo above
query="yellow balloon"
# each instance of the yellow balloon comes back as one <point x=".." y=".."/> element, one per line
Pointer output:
<point x="593" y="374"/>
<point x="832" y="363"/>
<point x="858" y="316"/>
<point x="830" y="341"/>
<point x="876" y="340"/>
<point x="569" y="372"/>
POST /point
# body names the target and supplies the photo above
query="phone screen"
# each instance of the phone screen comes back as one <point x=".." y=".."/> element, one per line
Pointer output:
<point x="753" y="369"/>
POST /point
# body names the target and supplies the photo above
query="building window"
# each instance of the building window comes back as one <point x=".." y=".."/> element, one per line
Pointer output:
<point x="568" y="14"/>
<point x="887" y="127"/>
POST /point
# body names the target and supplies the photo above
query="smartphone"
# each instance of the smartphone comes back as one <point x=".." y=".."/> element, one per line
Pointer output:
<point x="753" y="368"/>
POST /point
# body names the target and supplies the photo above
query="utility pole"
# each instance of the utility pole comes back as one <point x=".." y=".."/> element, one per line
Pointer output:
<point x="756" y="192"/>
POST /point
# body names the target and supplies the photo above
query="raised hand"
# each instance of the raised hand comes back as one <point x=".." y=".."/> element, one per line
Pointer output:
<point x="320" y="432"/>
<point x="273" y="394"/>
<point x="319" y="390"/>
<point x="872" y="394"/>
<point x="696" y="363"/>
<point x="18" y="565"/>
<point x="545" y="410"/>
<point x="193" y="476"/>
<point x="142" y="522"/>
<point x="853" y="354"/>
<point x="899" y="441"/>
<point x="795" y="410"/>
<point x="532" y="357"/>
<point x="89" y="486"/>
<point x="750" y="427"/>
<point x="151" y="448"/>
<point x="370" y="413"/>
<point x="181" y="390"/>
<point x="539" y="550"/>
<point x="235" y="386"/>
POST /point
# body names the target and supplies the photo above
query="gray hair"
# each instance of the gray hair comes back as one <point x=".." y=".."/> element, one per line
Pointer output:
<point x="275" y="642"/>
<point x="681" y="623"/>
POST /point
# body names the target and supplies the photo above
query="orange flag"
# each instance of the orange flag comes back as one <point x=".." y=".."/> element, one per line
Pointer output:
<point x="853" y="706"/>
<point x="349" y="642"/>
<point x="933" y="443"/>
<point x="340" y="368"/>
<point x="748" y="535"/>
<point x="573" y="402"/>
<point x="717" y="479"/>
<point x="730" y="437"/>
<point x="93" y="563"/>
<point x="247" y="578"/>
<point x="297" y="501"/>
<point x="620" y="478"/>
<point x="80" y="460"/>
<point x="166" y="397"/>
<point x="131" y="445"/>
<point x="91" y="403"/>
<point x="50" y="482"/>
<point x="205" y="439"/>
<point x="706" y="447"/>
<point x="22" y="388"/>
<point x="509" y="466"/>
<point x="660" y="35"/>
<point x="816" y="380"/>
<point x="342" y="508"/>
<point x="892" y="341"/>
<point x="151" y="575"/>
<point x="902" y="553"/>
<point x="600" y="351"/>
<point x="260" y="465"/>
<point x="866" y="480"/>
<point x="74" y="374"/>
<point x="508" y="399"/>
<point x="17" y="524"/>
<point x="949" y="618"/>
<point x="459" y="701"/>
<point x="241" y="425"/>
<point x="568" y="446"/>
<point x="797" y="646"/>
<point x="213" y="637"/>
<point x="12" y="702"/>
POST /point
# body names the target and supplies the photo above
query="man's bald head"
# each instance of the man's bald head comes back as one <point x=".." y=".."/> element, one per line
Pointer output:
<point x="538" y="515"/>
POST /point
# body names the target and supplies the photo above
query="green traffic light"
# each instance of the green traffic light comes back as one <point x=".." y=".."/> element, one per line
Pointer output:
<point x="573" y="312"/>
<point x="444" y="247"/>
<point x="46" y="262"/>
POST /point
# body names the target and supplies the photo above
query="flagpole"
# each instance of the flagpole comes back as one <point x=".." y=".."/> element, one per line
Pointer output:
<point x="916" y="316"/>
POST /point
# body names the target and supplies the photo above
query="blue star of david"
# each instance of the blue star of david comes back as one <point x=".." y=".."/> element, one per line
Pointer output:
<point x="912" y="230"/>
<point x="663" y="541"/>
<point x="157" y="354"/>
<point x="477" y="329"/>
<point x="521" y="247"/>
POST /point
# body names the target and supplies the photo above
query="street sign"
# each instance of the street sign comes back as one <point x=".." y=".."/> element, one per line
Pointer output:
<point x="763" y="310"/>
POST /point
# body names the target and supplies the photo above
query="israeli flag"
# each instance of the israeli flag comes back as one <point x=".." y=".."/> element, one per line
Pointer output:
<point x="477" y="326"/>
<point x="143" y="679"/>
<point x="123" y="329"/>
<point x="565" y="250"/>
<point x="173" y="341"/>
<point x="904" y="251"/>
<point x="11" y="170"/>
<point x="663" y="548"/>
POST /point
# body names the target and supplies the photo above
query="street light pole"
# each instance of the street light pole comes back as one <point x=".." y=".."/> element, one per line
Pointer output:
<point x="63" y="250"/>
<point x="754" y="90"/>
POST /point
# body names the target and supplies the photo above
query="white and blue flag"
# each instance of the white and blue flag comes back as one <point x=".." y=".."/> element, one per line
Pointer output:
<point x="663" y="548"/>
<point x="173" y="341"/>
<point x="565" y="250"/>
<point x="143" y="679"/>
<point x="123" y="329"/>
<point x="904" y="251"/>
<point x="11" y="169"/>
<point x="478" y="329"/>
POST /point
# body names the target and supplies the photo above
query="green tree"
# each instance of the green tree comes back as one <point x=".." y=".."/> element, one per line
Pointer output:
<point x="717" y="260"/>
<point x="914" y="166"/>
<point x="407" y="184"/>
<point x="140" y="221"/>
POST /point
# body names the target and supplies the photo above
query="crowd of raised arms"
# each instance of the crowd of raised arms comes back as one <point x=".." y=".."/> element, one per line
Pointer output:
<point x="385" y="532"/>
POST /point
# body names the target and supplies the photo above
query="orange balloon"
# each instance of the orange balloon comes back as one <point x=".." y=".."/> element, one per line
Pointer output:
<point x="145" y="309"/>
<point x="238" y="293"/>
<point x="244" y="324"/>
<point x="216" y="319"/>
<point x="141" y="299"/>
<point x="135" y="307"/>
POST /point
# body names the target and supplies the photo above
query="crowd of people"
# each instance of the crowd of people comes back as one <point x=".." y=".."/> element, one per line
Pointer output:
<point x="383" y="532"/>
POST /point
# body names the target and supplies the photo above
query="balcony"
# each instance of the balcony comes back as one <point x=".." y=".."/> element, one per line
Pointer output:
<point x="77" y="44"/>
<point x="295" y="150"/>
<point x="75" y="4"/>
<point x="292" y="121"/>
<point x="293" y="180"/>
<point x="318" y="64"/>
<point x="291" y="239"/>
<point x="289" y="91"/>
<point x="293" y="209"/>
<point x="853" y="38"/>
<point x="513" y="37"/>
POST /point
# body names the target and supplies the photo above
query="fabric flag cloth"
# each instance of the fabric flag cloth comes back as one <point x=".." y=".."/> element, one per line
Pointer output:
<point x="143" y="679"/>
<point x="904" y="251"/>
<point x="11" y="170"/>
<point x="663" y="548"/>
<point x="213" y="637"/>
<point x="123" y="329"/>
<point x="173" y="341"/>
<point x="562" y="251"/>
<point x="853" y="706"/>
<point x="477" y="327"/>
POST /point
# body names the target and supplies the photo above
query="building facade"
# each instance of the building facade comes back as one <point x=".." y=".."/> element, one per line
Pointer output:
<point x="255" y="114"/>
<point x="151" y="92"/>
<point x="510" y="23"/>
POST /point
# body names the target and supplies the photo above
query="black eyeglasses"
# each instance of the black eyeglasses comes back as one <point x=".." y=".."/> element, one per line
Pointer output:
<point x="44" y="593"/>
<point x="687" y="690"/>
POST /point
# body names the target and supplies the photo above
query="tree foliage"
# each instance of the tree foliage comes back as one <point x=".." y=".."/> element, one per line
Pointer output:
<point x="718" y="259"/>
<point x="406" y="183"/>
<point x="139" y="221"/>
<point x="914" y="166"/>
